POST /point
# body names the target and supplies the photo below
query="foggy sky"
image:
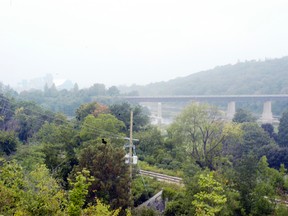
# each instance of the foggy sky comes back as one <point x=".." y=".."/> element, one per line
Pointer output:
<point x="131" y="41"/>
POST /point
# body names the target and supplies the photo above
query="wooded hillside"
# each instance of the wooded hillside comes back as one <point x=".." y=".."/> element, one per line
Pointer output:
<point x="250" y="77"/>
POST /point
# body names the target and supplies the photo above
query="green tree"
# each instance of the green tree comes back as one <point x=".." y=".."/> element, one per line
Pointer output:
<point x="93" y="108"/>
<point x="113" y="91"/>
<point x="283" y="130"/>
<point x="242" y="115"/>
<point x="269" y="128"/>
<point x="58" y="144"/>
<point x="254" y="138"/>
<point x="201" y="131"/>
<point x="11" y="184"/>
<point x="211" y="199"/>
<point x="8" y="142"/>
<point x="41" y="194"/>
<point x="97" y="89"/>
<point x="79" y="191"/>
<point x="32" y="193"/>
<point x="29" y="118"/>
<point x="104" y="126"/>
<point x="102" y="209"/>
<point x="151" y="145"/>
<point x="7" y="108"/>
<point x="264" y="193"/>
<point x="122" y="112"/>
<point x="106" y="165"/>
<point x="245" y="180"/>
<point x="29" y="156"/>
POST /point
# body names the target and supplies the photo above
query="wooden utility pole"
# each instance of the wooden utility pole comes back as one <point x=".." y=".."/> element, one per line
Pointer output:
<point x="131" y="144"/>
<point x="130" y="156"/>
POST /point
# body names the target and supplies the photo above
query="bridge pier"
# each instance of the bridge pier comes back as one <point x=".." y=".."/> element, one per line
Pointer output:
<point x="267" y="116"/>
<point x="159" y="114"/>
<point x="231" y="110"/>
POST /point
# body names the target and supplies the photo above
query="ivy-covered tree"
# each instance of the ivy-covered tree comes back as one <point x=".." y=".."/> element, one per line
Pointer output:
<point x="111" y="174"/>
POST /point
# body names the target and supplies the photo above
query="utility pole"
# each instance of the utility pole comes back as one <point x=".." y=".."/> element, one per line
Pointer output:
<point x="130" y="156"/>
<point x="131" y="144"/>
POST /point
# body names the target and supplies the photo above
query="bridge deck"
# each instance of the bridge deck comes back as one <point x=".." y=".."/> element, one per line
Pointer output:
<point x="187" y="98"/>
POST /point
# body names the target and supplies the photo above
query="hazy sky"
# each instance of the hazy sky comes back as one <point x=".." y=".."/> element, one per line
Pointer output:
<point x="135" y="41"/>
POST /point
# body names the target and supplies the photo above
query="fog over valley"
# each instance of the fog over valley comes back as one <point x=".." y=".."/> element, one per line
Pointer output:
<point x="124" y="42"/>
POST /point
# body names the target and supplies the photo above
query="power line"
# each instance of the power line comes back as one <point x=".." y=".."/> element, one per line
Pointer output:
<point x="89" y="126"/>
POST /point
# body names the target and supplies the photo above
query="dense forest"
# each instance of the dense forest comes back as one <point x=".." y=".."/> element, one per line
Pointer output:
<point x="54" y="165"/>
<point x="63" y="100"/>
<point x="250" y="77"/>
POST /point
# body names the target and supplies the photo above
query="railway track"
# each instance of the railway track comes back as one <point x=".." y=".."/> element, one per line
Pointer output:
<point x="162" y="177"/>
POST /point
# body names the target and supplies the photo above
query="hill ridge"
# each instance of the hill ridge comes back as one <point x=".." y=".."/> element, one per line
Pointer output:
<point x="250" y="77"/>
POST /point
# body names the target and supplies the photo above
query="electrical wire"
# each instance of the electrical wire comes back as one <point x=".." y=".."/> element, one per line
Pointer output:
<point x="108" y="134"/>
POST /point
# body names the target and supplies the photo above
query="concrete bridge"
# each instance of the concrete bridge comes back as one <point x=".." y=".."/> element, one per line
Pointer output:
<point x="267" y="115"/>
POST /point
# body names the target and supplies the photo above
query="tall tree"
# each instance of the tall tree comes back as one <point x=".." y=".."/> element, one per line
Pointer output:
<point x="269" y="128"/>
<point x="283" y="130"/>
<point x="8" y="142"/>
<point x="201" y="130"/>
<point x="111" y="174"/>
<point x="29" y="193"/>
<point x="104" y="126"/>
<point x="93" y="108"/>
<point x="243" y="116"/>
<point x="122" y="112"/>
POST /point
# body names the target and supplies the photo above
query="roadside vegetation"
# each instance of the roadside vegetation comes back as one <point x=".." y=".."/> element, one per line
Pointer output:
<point x="54" y="165"/>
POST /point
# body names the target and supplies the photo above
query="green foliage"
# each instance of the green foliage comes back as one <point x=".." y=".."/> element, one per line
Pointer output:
<point x="58" y="146"/>
<point x="246" y="180"/>
<point x="106" y="165"/>
<point x="7" y="109"/>
<point x="29" y="156"/>
<point x="93" y="108"/>
<point x="152" y="149"/>
<point x="211" y="199"/>
<point x="102" y="126"/>
<point x="254" y="138"/>
<point x="249" y="77"/>
<point x="145" y="166"/>
<point x="41" y="194"/>
<point x="242" y="116"/>
<point x="144" y="211"/>
<point x="11" y="184"/>
<point x="8" y="142"/>
<point x="175" y="208"/>
<point x="101" y="209"/>
<point x="281" y="210"/>
<point x="79" y="191"/>
<point x="283" y="130"/>
<point x="201" y="131"/>
<point x="265" y="189"/>
<point x="122" y="113"/>
<point x="269" y="128"/>
<point x="113" y="91"/>
<point x="29" y="118"/>
<point x="35" y="193"/>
